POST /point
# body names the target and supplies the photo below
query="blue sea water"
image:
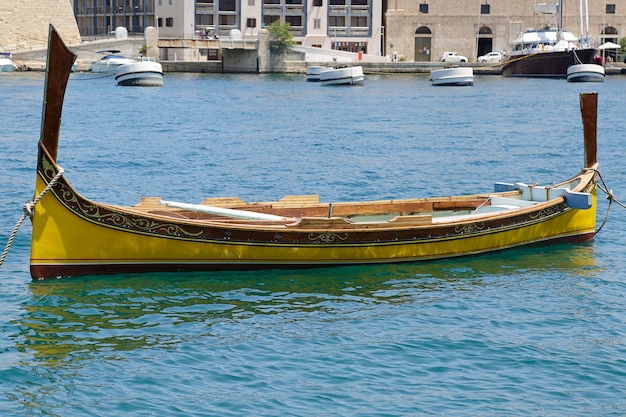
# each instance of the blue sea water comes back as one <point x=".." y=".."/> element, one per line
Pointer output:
<point x="537" y="331"/>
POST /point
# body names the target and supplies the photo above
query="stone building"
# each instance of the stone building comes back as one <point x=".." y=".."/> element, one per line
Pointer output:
<point x="24" y="23"/>
<point x="100" y="18"/>
<point x="349" y="25"/>
<point x="422" y="30"/>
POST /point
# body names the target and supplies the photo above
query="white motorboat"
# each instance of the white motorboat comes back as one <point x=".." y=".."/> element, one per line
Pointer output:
<point x="313" y="72"/>
<point x="585" y="73"/>
<point x="144" y="73"/>
<point x="6" y="62"/>
<point x="458" y="76"/>
<point x="342" y="76"/>
<point x="110" y="61"/>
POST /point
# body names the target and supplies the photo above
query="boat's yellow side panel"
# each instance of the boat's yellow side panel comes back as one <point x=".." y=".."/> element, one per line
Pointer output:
<point x="61" y="237"/>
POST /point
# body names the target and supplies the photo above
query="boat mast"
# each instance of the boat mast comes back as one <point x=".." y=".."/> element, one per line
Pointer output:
<point x="559" y="25"/>
<point x="583" y="38"/>
<point x="580" y="25"/>
<point x="587" y="43"/>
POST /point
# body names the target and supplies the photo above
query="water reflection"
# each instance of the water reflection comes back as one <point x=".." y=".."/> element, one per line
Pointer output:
<point x="76" y="317"/>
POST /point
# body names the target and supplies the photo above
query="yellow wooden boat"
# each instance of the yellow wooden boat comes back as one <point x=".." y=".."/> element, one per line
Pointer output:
<point x="73" y="235"/>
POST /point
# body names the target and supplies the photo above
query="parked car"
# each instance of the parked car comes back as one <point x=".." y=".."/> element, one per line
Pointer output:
<point x="490" y="57"/>
<point x="452" y="57"/>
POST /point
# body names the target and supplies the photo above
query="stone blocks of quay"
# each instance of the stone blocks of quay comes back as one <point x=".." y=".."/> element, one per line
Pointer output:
<point x="24" y="23"/>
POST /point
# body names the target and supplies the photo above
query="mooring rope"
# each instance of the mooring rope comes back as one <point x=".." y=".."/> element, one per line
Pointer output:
<point x="27" y="209"/>
<point x="29" y="206"/>
<point x="609" y="196"/>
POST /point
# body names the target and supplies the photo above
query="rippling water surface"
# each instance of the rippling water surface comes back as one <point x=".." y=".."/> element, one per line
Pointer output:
<point x="536" y="331"/>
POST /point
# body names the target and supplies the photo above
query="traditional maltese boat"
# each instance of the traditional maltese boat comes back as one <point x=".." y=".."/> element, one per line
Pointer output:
<point x="73" y="235"/>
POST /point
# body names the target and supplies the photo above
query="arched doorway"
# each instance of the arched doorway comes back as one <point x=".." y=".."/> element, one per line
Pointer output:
<point x="609" y="34"/>
<point x="484" y="42"/>
<point x="423" y="42"/>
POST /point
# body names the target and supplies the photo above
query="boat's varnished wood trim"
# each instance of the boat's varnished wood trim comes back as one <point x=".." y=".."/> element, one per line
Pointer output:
<point x="589" y="113"/>
<point x="58" y="68"/>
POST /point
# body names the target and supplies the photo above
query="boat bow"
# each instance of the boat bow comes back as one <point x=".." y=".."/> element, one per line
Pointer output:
<point x="59" y="66"/>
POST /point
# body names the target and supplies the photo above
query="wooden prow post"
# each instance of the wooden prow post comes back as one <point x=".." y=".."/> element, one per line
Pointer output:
<point x="589" y="112"/>
<point x="58" y="67"/>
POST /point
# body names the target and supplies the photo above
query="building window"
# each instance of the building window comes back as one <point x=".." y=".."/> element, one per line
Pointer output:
<point x="251" y="23"/>
<point x="337" y="2"/>
<point x="250" y="2"/>
<point x="160" y="22"/>
<point x="317" y="23"/>
<point x="213" y="54"/>
<point x="228" y="20"/>
<point x="169" y="22"/>
<point x="336" y="21"/>
<point x="269" y="19"/>
<point x="485" y="9"/>
<point x="610" y="9"/>
<point x="424" y="8"/>
<point x="294" y="21"/>
<point x="317" y="3"/>
<point x="358" y="21"/>
<point x="227" y="6"/>
<point x="359" y="2"/>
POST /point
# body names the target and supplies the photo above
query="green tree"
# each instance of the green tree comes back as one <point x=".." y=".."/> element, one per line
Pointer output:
<point x="280" y="37"/>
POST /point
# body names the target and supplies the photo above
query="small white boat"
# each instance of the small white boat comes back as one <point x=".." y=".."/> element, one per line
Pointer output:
<point x="585" y="73"/>
<point x="6" y="62"/>
<point x="459" y="76"/>
<point x="313" y="72"/>
<point x="144" y="73"/>
<point x="110" y="61"/>
<point x="342" y="76"/>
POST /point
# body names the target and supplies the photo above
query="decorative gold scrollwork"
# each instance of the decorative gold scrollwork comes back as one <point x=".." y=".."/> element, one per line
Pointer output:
<point x="548" y="211"/>
<point x="469" y="228"/>
<point x="327" y="237"/>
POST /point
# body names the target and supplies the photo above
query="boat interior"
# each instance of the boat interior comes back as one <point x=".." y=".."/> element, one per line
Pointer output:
<point x="307" y="210"/>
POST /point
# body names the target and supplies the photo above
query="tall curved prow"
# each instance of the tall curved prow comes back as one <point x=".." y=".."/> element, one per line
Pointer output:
<point x="58" y="67"/>
<point x="589" y="112"/>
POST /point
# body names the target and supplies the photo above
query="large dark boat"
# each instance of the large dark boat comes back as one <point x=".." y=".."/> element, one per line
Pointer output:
<point x="547" y="63"/>
<point x="546" y="52"/>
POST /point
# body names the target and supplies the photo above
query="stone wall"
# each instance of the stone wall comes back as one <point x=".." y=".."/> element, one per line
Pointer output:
<point x="24" y="23"/>
<point x="454" y="24"/>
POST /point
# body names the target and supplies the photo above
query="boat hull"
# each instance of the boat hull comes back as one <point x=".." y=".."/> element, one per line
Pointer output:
<point x="6" y="65"/>
<point x="585" y="73"/>
<point x="461" y="76"/>
<point x="313" y="72"/>
<point x="74" y="236"/>
<point x="140" y="74"/>
<point x="552" y="64"/>
<point x="342" y="76"/>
